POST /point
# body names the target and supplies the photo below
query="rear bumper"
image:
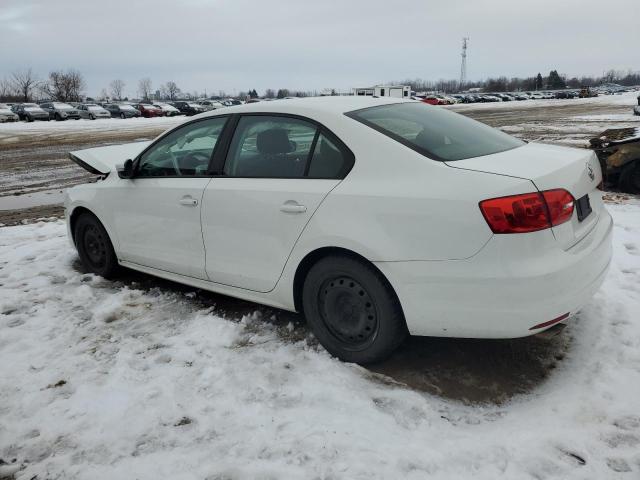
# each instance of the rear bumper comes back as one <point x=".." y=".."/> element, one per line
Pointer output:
<point x="511" y="285"/>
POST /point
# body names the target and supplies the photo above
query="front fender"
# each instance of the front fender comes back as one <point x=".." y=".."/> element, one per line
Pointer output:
<point x="84" y="197"/>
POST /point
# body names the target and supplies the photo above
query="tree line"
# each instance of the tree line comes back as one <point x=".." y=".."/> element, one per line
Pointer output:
<point x="553" y="81"/>
<point x="70" y="86"/>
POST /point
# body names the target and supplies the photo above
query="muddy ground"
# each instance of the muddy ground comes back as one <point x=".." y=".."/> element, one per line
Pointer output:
<point x="35" y="170"/>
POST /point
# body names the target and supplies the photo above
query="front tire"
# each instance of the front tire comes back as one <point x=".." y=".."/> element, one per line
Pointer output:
<point x="123" y="116"/>
<point x="352" y="310"/>
<point x="94" y="246"/>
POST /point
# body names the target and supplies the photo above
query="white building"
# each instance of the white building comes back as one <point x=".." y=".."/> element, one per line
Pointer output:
<point x="396" y="91"/>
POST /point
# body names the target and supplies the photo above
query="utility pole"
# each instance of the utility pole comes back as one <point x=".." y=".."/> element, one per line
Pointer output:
<point x="463" y="66"/>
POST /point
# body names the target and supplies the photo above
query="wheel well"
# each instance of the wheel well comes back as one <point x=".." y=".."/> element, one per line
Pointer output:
<point x="74" y="218"/>
<point x="314" y="257"/>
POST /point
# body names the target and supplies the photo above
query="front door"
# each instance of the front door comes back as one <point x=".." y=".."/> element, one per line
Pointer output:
<point x="157" y="213"/>
<point x="277" y="172"/>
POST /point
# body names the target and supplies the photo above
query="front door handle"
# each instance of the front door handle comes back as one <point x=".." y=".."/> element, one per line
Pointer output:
<point x="291" y="206"/>
<point x="188" y="201"/>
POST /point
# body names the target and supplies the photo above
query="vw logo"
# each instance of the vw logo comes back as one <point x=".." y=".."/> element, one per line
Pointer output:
<point x="590" y="172"/>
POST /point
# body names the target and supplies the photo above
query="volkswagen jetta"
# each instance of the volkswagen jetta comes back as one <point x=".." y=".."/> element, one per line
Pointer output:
<point x="375" y="218"/>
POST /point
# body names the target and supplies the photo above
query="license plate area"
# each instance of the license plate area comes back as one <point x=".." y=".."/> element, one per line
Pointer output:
<point x="583" y="207"/>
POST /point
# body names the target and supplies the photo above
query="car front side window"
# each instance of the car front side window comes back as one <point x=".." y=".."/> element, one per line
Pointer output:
<point x="183" y="152"/>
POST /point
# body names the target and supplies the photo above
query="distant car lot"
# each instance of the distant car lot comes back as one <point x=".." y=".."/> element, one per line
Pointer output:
<point x="94" y="110"/>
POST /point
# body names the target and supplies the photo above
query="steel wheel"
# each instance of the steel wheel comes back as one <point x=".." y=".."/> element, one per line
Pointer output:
<point x="348" y="311"/>
<point x="94" y="246"/>
<point x="352" y="309"/>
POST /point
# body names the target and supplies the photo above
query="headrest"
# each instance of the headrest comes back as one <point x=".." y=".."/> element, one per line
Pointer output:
<point x="273" y="141"/>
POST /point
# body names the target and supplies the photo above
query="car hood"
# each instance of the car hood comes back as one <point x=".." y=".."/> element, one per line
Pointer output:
<point x="102" y="160"/>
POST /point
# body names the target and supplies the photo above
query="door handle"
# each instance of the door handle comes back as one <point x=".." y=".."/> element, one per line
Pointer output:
<point x="188" y="201"/>
<point x="291" y="206"/>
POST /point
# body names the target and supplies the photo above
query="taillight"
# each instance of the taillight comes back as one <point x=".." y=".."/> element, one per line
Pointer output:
<point x="528" y="212"/>
<point x="560" y="204"/>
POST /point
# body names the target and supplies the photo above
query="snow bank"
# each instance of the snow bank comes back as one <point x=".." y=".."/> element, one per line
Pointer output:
<point x="99" y="380"/>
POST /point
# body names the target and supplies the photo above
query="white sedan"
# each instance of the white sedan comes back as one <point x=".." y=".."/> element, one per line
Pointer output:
<point x="373" y="217"/>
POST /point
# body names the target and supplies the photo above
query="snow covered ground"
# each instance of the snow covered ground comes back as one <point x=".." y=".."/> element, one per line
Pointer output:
<point x="85" y="125"/>
<point x="101" y="380"/>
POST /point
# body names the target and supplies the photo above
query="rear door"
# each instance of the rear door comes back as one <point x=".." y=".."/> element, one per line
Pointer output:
<point x="277" y="172"/>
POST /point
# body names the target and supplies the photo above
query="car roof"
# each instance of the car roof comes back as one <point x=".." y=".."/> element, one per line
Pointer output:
<point x="331" y="105"/>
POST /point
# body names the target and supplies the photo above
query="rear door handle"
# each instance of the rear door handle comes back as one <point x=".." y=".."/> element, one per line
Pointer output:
<point x="188" y="201"/>
<point x="291" y="206"/>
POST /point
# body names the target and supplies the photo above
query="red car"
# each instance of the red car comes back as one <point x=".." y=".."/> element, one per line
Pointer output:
<point x="433" y="100"/>
<point x="149" y="111"/>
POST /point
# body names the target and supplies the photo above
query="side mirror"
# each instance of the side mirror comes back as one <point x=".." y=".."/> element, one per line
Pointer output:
<point x="126" y="171"/>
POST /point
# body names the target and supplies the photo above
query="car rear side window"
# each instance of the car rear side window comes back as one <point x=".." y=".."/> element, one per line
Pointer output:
<point x="277" y="146"/>
<point x="435" y="132"/>
<point x="270" y="147"/>
<point x="329" y="160"/>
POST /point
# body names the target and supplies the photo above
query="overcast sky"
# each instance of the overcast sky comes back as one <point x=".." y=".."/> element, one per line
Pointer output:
<point x="302" y="44"/>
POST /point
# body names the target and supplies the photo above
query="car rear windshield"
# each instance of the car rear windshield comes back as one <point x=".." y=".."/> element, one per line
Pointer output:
<point x="435" y="132"/>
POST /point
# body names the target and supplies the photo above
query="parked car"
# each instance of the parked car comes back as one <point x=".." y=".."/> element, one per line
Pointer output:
<point x="122" y="110"/>
<point x="6" y="115"/>
<point x="188" y="108"/>
<point x="148" y="111"/>
<point x="167" y="110"/>
<point x="521" y="96"/>
<point x="230" y="102"/>
<point x="210" y="105"/>
<point x="431" y="100"/>
<point x="30" y="112"/>
<point x="92" y="111"/>
<point x="60" y="111"/>
<point x="317" y="219"/>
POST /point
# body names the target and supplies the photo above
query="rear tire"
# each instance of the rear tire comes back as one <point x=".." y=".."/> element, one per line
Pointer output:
<point x="630" y="177"/>
<point x="352" y="310"/>
<point x="94" y="246"/>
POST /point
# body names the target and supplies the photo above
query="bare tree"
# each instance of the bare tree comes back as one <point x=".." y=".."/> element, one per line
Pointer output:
<point x="117" y="88"/>
<point x="5" y="89"/>
<point x="144" y="88"/>
<point x="269" y="93"/>
<point x="171" y="90"/>
<point x="65" y="86"/>
<point x="24" y="83"/>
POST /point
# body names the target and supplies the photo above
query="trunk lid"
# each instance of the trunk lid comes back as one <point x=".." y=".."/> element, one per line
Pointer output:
<point x="550" y="167"/>
<point x="102" y="160"/>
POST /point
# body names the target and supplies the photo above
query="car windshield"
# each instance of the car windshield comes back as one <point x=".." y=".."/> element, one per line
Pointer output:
<point x="94" y="107"/>
<point x="62" y="106"/>
<point x="30" y="105"/>
<point x="435" y="132"/>
<point x="195" y="105"/>
<point x="126" y="107"/>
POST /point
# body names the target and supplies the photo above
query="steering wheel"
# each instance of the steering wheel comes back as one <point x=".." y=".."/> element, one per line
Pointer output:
<point x="197" y="159"/>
